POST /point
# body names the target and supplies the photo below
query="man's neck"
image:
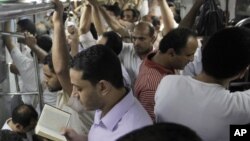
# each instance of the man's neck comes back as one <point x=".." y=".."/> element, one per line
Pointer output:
<point x="114" y="97"/>
<point x="11" y="124"/>
<point x="143" y="56"/>
<point x="161" y="60"/>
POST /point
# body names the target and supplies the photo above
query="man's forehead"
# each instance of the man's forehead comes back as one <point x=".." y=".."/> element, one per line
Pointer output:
<point x="137" y="32"/>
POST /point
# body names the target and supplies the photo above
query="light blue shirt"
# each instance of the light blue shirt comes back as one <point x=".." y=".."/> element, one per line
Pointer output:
<point x="124" y="117"/>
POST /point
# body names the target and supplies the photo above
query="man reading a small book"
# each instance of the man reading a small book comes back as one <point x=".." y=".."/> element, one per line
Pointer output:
<point x="97" y="81"/>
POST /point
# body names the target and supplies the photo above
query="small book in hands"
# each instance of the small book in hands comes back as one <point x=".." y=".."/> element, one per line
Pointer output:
<point x="51" y="123"/>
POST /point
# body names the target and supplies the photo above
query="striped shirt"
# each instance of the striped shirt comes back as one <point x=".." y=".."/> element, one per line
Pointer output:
<point x="149" y="77"/>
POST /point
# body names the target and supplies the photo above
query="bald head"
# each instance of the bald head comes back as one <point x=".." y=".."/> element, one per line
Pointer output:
<point x="146" y="27"/>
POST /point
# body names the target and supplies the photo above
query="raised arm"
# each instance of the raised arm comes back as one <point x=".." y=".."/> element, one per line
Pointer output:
<point x="31" y="42"/>
<point x="97" y="20"/>
<point x="112" y="22"/>
<point x="60" y="53"/>
<point x="189" y="19"/>
<point x="85" y="20"/>
<point x="7" y="39"/>
<point x="24" y="66"/>
<point x="9" y="44"/>
<point x="73" y="41"/>
<point x="167" y="16"/>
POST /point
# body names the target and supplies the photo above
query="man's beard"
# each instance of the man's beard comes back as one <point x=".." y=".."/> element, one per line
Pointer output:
<point x="75" y="104"/>
<point x="54" y="89"/>
<point x="143" y="52"/>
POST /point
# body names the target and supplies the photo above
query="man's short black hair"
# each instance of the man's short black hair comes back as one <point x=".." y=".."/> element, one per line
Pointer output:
<point x="162" y="132"/>
<point x="24" y="114"/>
<point x="176" y="39"/>
<point x="227" y="53"/>
<point x="44" y="41"/>
<point x="27" y="25"/>
<point x="99" y="63"/>
<point x="114" y="41"/>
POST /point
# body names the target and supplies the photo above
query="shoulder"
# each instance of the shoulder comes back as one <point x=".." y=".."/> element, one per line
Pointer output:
<point x="173" y="78"/>
<point x="137" y="115"/>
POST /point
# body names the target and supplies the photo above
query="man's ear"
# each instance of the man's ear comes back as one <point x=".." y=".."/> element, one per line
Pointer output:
<point x="18" y="127"/>
<point x="104" y="87"/>
<point x="171" y="52"/>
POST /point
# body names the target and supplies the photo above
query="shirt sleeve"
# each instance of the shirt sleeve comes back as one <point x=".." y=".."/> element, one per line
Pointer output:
<point x="144" y="8"/>
<point x="86" y="40"/>
<point x="25" y="66"/>
<point x="126" y="49"/>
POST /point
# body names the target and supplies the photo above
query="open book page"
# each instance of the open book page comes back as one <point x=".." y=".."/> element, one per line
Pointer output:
<point x="50" y="134"/>
<point x="51" y="122"/>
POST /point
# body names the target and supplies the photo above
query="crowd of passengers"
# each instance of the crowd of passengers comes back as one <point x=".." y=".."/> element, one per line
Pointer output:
<point x="128" y="71"/>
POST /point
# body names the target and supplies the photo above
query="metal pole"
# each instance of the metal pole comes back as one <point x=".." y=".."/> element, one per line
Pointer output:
<point x="227" y="12"/>
<point x="38" y="81"/>
<point x="11" y="11"/>
<point x="37" y="76"/>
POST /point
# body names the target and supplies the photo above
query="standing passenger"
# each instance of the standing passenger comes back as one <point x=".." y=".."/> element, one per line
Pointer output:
<point x="203" y="102"/>
<point x="97" y="82"/>
<point x="176" y="49"/>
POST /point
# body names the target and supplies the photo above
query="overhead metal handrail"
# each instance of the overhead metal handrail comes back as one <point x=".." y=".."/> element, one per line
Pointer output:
<point x="11" y="11"/>
<point x="243" y="22"/>
<point x="14" y="34"/>
<point x="19" y="93"/>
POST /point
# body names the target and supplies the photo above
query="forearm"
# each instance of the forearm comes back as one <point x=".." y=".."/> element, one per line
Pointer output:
<point x="85" y="20"/>
<point x="167" y="16"/>
<point x="41" y="54"/>
<point x="7" y="39"/>
<point x="59" y="48"/>
<point x="74" y="48"/>
<point x="189" y="19"/>
<point x="97" y="20"/>
<point x="113" y="23"/>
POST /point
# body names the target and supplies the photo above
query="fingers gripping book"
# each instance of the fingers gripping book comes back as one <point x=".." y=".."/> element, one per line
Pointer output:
<point x="51" y="123"/>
